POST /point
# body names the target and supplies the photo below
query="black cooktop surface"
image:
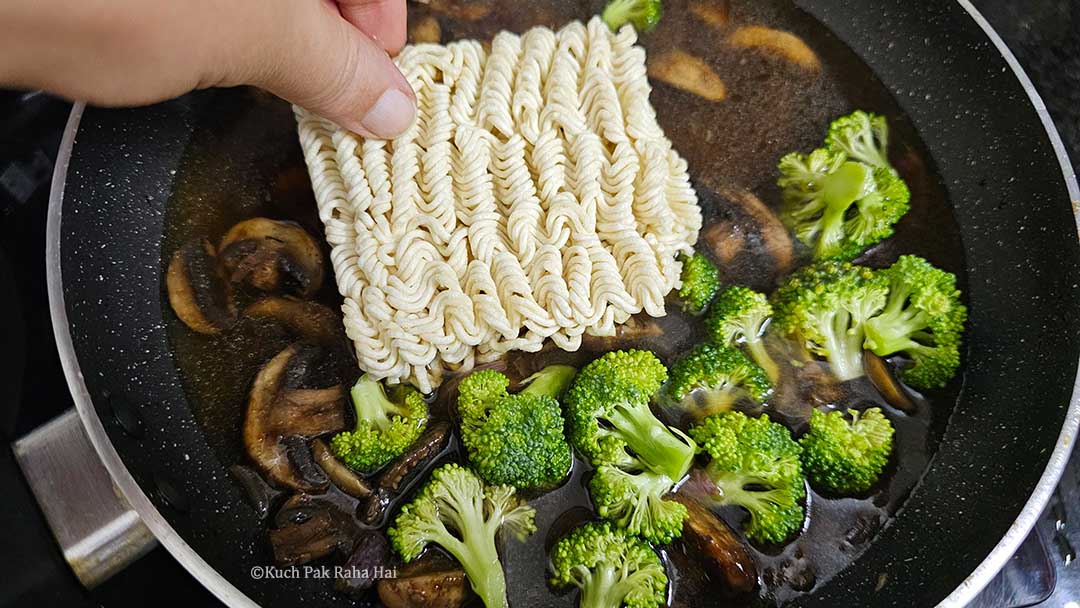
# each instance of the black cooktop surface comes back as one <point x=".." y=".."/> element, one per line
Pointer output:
<point x="1044" y="34"/>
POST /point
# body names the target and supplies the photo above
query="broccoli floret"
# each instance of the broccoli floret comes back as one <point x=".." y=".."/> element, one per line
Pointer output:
<point x="610" y="420"/>
<point x="923" y="319"/>
<point x="643" y="14"/>
<point x="846" y="456"/>
<point x="385" y="425"/>
<point x="739" y="316"/>
<point x="862" y="137"/>
<point x="635" y="502"/>
<point x="755" y="465"/>
<point x="516" y="439"/>
<point x="827" y="305"/>
<point x="700" y="282"/>
<point x="838" y="207"/>
<point x="456" y="511"/>
<point x="841" y="199"/>
<point x="611" y="568"/>
<point x="720" y="375"/>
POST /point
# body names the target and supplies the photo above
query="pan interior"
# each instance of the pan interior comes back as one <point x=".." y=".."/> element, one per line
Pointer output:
<point x="243" y="161"/>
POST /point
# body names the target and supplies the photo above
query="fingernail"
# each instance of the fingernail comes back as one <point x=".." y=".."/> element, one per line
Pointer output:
<point x="390" y="116"/>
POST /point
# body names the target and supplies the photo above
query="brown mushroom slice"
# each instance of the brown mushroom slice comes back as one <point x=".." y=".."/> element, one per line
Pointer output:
<point x="341" y="475"/>
<point x="883" y="379"/>
<point x="301" y="542"/>
<point x="274" y="414"/>
<point x="309" y="320"/>
<point x="404" y="470"/>
<point x="777" y="42"/>
<point x="688" y="73"/>
<point x="462" y="10"/>
<point x="636" y="328"/>
<point x="197" y="290"/>
<point x="714" y="14"/>
<point x="425" y="30"/>
<point x="748" y="240"/>
<point x="272" y="256"/>
<point x="774" y="235"/>
<point x="721" y="552"/>
<point x="368" y="563"/>
<point x="432" y="581"/>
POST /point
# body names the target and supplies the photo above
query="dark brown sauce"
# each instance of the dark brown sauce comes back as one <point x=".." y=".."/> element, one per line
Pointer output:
<point x="244" y="161"/>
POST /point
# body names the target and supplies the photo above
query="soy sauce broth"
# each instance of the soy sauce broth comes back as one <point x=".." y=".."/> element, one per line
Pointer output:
<point x="244" y="161"/>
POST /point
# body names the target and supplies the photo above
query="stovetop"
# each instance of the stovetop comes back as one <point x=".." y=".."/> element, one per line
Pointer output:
<point x="1044" y="34"/>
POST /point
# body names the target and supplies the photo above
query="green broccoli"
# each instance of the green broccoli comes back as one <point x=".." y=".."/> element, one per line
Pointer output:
<point x="827" y="305"/>
<point x="842" y="199"/>
<point x="739" y="316"/>
<point x="643" y="14"/>
<point x="755" y="465"/>
<point x="846" y="456"/>
<point x="385" y="425"/>
<point x="456" y="511"/>
<point x="862" y="137"/>
<point x="635" y="502"/>
<point x="611" y="568"/>
<point x="719" y="375"/>
<point x="923" y="319"/>
<point x="700" y="282"/>
<point x="610" y="420"/>
<point x="516" y="439"/>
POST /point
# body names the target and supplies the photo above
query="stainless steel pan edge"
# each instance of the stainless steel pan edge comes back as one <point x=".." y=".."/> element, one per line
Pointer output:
<point x="230" y="595"/>
<point x="122" y="478"/>
<point x="1025" y="521"/>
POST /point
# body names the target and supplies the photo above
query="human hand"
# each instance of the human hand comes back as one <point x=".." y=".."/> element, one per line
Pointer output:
<point x="329" y="57"/>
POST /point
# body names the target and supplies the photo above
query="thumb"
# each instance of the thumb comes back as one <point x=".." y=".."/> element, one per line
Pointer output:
<point x="333" y="69"/>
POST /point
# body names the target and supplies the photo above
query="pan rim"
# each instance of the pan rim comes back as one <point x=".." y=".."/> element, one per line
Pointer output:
<point x="95" y="430"/>
<point x="232" y="596"/>
<point x="1048" y="481"/>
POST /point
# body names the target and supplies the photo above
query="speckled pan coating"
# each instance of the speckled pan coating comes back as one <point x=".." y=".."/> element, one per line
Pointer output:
<point x="1019" y="236"/>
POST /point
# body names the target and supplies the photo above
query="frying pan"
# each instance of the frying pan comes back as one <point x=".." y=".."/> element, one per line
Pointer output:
<point x="1003" y="450"/>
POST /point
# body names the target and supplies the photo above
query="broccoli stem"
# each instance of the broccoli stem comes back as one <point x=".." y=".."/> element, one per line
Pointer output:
<point x="370" y="403"/>
<point x="479" y="557"/>
<point x="761" y="356"/>
<point x="844" y="345"/>
<point x="652" y="441"/>
<point x="552" y="381"/>
<point x="600" y="588"/>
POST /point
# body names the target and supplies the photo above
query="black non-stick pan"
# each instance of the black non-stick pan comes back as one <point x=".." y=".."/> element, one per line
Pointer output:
<point x="997" y="157"/>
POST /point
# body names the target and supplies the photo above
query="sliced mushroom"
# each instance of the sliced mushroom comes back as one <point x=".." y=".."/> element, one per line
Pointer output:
<point x="369" y="562"/>
<point x="721" y="552"/>
<point x="304" y="319"/>
<point x="425" y="30"/>
<point x="430" y="582"/>
<point x="410" y="464"/>
<point x="883" y="379"/>
<point x="274" y="412"/>
<point x="258" y="493"/>
<point x="636" y="328"/>
<point x="714" y="14"/>
<point x="689" y="73"/>
<point x="404" y="470"/>
<point x="777" y="42"/>
<point x="299" y="455"/>
<point x="342" y="476"/>
<point x="751" y="244"/>
<point x="307" y="540"/>
<point x="272" y="256"/>
<point x="198" y="292"/>
<point x="462" y="10"/>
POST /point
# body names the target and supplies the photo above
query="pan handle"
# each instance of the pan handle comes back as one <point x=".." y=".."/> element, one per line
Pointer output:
<point x="98" y="531"/>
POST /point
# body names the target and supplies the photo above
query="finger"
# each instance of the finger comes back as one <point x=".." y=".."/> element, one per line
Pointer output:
<point x="384" y="21"/>
<point x="336" y="71"/>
